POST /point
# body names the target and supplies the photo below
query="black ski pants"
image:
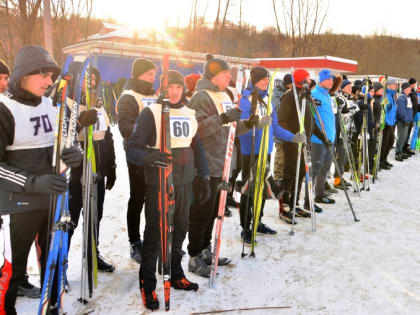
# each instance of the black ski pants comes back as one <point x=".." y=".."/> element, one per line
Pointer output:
<point x="136" y="201"/>
<point x="151" y="237"/>
<point x="19" y="231"/>
<point x="289" y="172"/>
<point x="202" y="218"/>
<point x="76" y="203"/>
<point x="246" y="160"/>
<point x="388" y="138"/>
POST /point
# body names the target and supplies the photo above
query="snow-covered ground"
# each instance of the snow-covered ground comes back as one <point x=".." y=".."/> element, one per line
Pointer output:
<point x="370" y="267"/>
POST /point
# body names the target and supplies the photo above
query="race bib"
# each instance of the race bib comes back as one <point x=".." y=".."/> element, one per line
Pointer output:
<point x="180" y="127"/>
<point x="409" y="103"/>
<point x="148" y="101"/>
<point x="100" y="123"/>
<point x="227" y="106"/>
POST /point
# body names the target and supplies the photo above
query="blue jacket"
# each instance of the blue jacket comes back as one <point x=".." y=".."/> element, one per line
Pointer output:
<point x="326" y="112"/>
<point x="404" y="113"/>
<point x="391" y="108"/>
<point x="246" y="139"/>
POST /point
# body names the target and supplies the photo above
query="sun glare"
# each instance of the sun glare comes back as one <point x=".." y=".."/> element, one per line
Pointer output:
<point x="152" y="14"/>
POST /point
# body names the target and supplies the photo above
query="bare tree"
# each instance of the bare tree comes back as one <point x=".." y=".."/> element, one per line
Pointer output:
<point x="277" y="19"/>
<point x="224" y="22"/>
<point x="216" y="21"/>
<point x="303" y="19"/>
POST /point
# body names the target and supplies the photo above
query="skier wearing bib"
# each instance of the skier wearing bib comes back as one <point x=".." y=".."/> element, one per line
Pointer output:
<point x="187" y="158"/>
<point x="103" y="145"/>
<point x="27" y="123"/>
<point x="214" y="111"/>
<point x="137" y="94"/>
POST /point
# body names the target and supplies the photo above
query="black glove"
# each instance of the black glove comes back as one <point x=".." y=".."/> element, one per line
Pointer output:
<point x="71" y="156"/>
<point x="158" y="159"/>
<point x="204" y="191"/>
<point x="305" y="92"/>
<point x="110" y="178"/>
<point x="317" y="102"/>
<point x="252" y="121"/>
<point x="46" y="184"/>
<point x="230" y="115"/>
<point x="87" y="117"/>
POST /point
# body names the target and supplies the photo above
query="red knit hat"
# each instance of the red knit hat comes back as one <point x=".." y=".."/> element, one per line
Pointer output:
<point x="191" y="80"/>
<point x="299" y="76"/>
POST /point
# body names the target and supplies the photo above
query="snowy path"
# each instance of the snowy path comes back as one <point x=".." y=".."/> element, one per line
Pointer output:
<point x="370" y="267"/>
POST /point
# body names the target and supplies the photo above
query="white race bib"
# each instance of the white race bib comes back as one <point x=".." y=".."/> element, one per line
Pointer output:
<point x="227" y="105"/>
<point x="180" y="127"/>
<point x="148" y="101"/>
<point x="100" y="123"/>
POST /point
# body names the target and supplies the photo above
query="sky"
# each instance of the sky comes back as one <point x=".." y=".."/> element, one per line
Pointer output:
<point x="362" y="17"/>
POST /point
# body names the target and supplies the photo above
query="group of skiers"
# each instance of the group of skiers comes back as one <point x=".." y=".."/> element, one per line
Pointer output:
<point x="201" y="107"/>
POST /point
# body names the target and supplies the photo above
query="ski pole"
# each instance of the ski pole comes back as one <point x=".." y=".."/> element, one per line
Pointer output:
<point x="254" y="100"/>
<point x="329" y="147"/>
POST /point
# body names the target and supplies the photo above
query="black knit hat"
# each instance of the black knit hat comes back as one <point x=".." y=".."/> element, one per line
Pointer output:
<point x="412" y="81"/>
<point x="377" y="86"/>
<point x="259" y="73"/>
<point x="141" y="66"/>
<point x="287" y="79"/>
<point x="345" y="83"/>
<point x="214" y="66"/>
<point x="404" y="86"/>
<point x="4" y="68"/>
<point x="174" y="77"/>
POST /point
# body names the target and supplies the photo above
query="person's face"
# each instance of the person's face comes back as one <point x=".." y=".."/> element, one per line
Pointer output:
<point x="222" y="79"/>
<point x="262" y="85"/>
<point x="380" y="92"/>
<point x="371" y="92"/>
<point x="347" y="89"/>
<point x="4" y="78"/>
<point x="148" y="76"/>
<point x="407" y="90"/>
<point x="175" y="93"/>
<point x="413" y="86"/>
<point x="392" y="86"/>
<point x="327" y="84"/>
<point x="37" y="84"/>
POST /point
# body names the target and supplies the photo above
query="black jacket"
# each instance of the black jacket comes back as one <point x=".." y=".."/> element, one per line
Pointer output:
<point x="19" y="167"/>
<point x="358" y="117"/>
<point x="414" y="100"/>
<point x="104" y="149"/>
<point x="128" y="109"/>
<point x="288" y="118"/>
<point x="377" y="109"/>
<point x="183" y="159"/>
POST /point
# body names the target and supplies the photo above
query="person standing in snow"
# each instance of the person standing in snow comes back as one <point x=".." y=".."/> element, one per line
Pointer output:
<point x="27" y="123"/>
<point x="288" y="119"/>
<point x="404" y="118"/>
<point x="259" y="81"/>
<point x="187" y="152"/>
<point x="137" y="94"/>
<point x="388" y="136"/>
<point x="103" y="145"/>
<point x="214" y="111"/>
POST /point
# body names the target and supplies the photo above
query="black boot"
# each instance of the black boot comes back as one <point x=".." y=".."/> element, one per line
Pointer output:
<point x="104" y="266"/>
<point x="150" y="299"/>
<point x="398" y="157"/>
<point x="184" y="284"/>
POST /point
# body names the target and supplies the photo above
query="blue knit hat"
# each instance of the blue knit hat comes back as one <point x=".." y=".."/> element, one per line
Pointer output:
<point x="325" y="74"/>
